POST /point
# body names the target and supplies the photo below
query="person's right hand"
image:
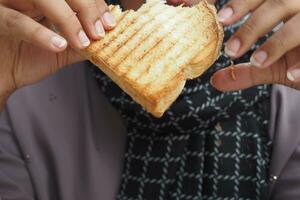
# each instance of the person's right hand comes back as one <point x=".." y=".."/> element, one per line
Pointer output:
<point x="30" y="49"/>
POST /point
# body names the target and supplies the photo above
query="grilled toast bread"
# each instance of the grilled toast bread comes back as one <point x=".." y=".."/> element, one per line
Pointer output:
<point x="153" y="51"/>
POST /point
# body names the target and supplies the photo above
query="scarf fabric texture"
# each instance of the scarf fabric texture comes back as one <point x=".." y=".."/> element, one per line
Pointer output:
<point x="208" y="145"/>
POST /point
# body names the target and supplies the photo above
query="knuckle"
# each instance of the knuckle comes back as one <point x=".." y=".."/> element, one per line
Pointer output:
<point x="36" y="33"/>
<point x="277" y="40"/>
<point x="249" y="28"/>
<point x="69" y="20"/>
<point x="12" y="19"/>
<point x="69" y="17"/>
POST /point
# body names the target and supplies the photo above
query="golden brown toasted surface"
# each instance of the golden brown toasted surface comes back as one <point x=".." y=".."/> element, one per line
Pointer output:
<point x="154" y="50"/>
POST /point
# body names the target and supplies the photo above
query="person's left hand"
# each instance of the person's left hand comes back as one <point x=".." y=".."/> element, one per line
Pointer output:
<point x="277" y="60"/>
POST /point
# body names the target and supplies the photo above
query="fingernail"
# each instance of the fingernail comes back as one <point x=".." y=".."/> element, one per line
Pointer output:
<point x="257" y="59"/>
<point x="233" y="47"/>
<point x="58" y="42"/>
<point x="99" y="29"/>
<point x="84" y="40"/>
<point x="211" y="81"/>
<point x="109" y="19"/>
<point x="225" y="13"/>
<point x="290" y="76"/>
<point x="293" y="74"/>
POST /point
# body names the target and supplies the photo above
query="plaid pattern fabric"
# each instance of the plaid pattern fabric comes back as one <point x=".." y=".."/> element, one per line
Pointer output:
<point x="208" y="145"/>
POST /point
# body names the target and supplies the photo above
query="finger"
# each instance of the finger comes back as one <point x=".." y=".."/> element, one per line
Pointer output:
<point x="62" y="16"/>
<point x="108" y="19"/>
<point x="17" y="25"/>
<point x="293" y="73"/>
<point x="235" y="10"/>
<point x="285" y="39"/>
<point x="266" y="17"/>
<point x="89" y="16"/>
<point x="247" y="76"/>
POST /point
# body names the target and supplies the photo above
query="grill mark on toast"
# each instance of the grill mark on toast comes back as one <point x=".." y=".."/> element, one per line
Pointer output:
<point x="113" y="38"/>
<point x="166" y="80"/>
<point x="123" y="15"/>
<point x="161" y="39"/>
<point x="152" y="89"/>
<point x="150" y="82"/>
<point x="121" y="29"/>
<point x="164" y="36"/>
<point x="153" y="47"/>
<point x="96" y="45"/>
<point x="136" y="31"/>
<point x="157" y="26"/>
<point x="146" y="70"/>
<point x="143" y="56"/>
<point x="188" y="46"/>
<point x="117" y="13"/>
<point x="118" y="31"/>
<point x="102" y="45"/>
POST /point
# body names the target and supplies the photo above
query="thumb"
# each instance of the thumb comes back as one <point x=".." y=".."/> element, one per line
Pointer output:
<point x="245" y="75"/>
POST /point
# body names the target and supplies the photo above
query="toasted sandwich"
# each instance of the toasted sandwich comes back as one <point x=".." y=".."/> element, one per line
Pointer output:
<point x="153" y="51"/>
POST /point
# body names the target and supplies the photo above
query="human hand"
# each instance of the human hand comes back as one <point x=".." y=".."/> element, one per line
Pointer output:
<point x="277" y="60"/>
<point x="30" y="49"/>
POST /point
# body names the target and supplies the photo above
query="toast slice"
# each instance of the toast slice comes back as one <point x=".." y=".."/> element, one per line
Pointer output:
<point x="153" y="51"/>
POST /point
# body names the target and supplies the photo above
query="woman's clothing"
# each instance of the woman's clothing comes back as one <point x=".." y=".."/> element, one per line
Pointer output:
<point x="208" y="145"/>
